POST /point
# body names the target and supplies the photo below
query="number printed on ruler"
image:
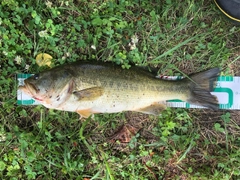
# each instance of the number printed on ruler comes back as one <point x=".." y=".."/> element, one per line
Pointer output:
<point x="227" y="91"/>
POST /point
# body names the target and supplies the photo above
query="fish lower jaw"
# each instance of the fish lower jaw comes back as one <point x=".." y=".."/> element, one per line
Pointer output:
<point x="38" y="99"/>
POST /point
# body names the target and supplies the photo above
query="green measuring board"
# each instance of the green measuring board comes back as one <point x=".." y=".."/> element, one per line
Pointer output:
<point x="227" y="91"/>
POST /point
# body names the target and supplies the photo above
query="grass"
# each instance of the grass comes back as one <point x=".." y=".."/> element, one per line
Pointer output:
<point x="177" y="38"/>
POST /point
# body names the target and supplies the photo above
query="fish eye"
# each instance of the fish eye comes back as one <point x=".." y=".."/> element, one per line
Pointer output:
<point x="36" y="76"/>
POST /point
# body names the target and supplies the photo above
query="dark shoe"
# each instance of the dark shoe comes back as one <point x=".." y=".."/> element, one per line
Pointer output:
<point x="231" y="8"/>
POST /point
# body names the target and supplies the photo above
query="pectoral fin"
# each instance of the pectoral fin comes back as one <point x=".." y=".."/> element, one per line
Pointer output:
<point x="154" y="109"/>
<point x="89" y="94"/>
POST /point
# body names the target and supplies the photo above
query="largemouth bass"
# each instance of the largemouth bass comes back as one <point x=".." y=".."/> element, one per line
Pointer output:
<point x="92" y="87"/>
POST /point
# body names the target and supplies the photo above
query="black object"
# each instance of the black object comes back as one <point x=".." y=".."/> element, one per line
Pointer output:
<point x="231" y="8"/>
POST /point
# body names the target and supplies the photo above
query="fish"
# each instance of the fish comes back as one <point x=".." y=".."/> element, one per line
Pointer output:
<point x="92" y="87"/>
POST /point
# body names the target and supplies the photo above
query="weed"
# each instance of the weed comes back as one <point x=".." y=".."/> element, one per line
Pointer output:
<point x="177" y="38"/>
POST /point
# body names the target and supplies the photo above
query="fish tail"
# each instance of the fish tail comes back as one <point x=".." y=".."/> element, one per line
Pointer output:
<point x="201" y="84"/>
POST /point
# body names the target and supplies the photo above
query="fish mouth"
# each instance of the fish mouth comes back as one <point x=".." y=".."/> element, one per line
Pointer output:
<point x="30" y="89"/>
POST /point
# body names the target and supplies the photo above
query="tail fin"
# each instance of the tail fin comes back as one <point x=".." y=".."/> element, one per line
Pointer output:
<point x="201" y="84"/>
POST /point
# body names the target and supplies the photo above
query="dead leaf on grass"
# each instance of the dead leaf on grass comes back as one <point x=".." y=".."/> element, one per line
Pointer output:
<point x="44" y="59"/>
<point x="124" y="134"/>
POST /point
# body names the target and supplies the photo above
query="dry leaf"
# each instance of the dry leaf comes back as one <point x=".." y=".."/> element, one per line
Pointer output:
<point x="124" y="134"/>
<point x="44" y="59"/>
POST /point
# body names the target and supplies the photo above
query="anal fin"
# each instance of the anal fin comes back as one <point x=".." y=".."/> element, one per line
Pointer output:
<point x="154" y="109"/>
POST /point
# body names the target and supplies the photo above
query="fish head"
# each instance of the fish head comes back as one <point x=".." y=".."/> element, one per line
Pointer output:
<point x="47" y="85"/>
